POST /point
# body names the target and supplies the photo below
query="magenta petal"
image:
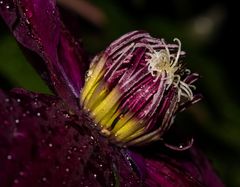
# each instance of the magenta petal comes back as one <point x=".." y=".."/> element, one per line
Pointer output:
<point x="37" y="27"/>
<point x="42" y="144"/>
<point x="177" y="169"/>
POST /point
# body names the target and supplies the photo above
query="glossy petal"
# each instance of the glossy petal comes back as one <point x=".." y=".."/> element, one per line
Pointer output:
<point x="43" y="144"/>
<point x="177" y="169"/>
<point x="58" y="56"/>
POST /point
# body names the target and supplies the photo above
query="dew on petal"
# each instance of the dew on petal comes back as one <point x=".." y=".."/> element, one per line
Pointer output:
<point x="7" y="100"/>
<point x="50" y="145"/>
<point x="28" y="13"/>
<point x="66" y="115"/>
<point x="9" y="157"/>
<point x="21" y="173"/>
<point x="44" y="179"/>
<point x="17" y="121"/>
<point x="64" y="183"/>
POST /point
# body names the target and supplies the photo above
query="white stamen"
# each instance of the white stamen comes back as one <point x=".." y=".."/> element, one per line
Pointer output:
<point x="179" y="51"/>
<point x="163" y="64"/>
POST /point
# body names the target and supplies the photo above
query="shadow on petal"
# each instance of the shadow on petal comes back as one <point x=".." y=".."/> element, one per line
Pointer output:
<point x="42" y="144"/>
<point x="58" y="56"/>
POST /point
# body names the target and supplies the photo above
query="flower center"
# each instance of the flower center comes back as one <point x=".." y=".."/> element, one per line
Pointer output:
<point x="162" y="62"/>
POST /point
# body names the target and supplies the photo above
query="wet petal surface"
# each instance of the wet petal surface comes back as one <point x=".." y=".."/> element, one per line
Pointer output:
<point x="189" y="168"/>
<point x="57" y="56"/>
<point x="43" y="144"/>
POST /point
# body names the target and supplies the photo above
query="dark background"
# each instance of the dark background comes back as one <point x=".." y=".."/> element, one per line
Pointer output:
<point x="209" y="35"/>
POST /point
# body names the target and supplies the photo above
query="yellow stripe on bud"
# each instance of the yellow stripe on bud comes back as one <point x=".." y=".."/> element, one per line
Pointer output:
<point x="96" y="74"/>
<point x="128" y="129"/>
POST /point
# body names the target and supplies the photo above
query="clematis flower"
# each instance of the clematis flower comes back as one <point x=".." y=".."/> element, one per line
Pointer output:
<point x="107" y="130"/>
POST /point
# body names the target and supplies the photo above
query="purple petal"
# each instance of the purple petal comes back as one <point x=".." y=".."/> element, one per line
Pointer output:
<point x="43" y="144"/>
<point x="177" y="169"/>
<point x="57" y="55"/>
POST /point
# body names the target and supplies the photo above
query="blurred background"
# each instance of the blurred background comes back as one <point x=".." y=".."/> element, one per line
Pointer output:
<point x="208" y="33"/>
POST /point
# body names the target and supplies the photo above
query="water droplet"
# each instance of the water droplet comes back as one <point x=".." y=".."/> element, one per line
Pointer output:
<point x="180" y="146"/>
<point x="16" y="181"/>
<point x="38" y="114"/>
<point x="17" y="121"/>
<point x="7" y="100"/>
<point x="89" y="74"/>
<point x="100" y="165"/>
<point x="50" y="145"/>
<point x="68" y="157"/>
<point x="18" y="100"/>
<point x="1" y="2"/>
<point x="7" y="6"/>
<point x="29" y="34"/>
<point x="66" y="115"/>
<point x="21" y="173"/>
<point x="44" y="179"/>
<point x="28" y="13"/>
<point x="92" y="137"/>
<point x="95" y="175"/>
<point x="67" y="170"/>
<point x="9" y="157"/>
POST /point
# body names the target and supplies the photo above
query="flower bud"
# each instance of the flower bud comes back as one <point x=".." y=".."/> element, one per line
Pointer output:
<point x="134" y="89"/>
